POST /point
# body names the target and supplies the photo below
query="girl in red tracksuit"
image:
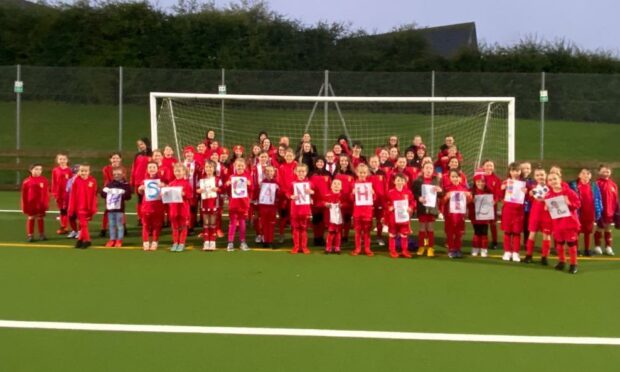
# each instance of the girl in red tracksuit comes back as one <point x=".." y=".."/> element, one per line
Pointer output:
<point x="194" y="172"/>
<point x="609" y="197"/>
<point x="402" y="168"/>
<point x="286" y="175"/>
<point x="152" y="213"/>
<point x="222" y="172"/>
<point x="60" y="175"/>
<point x="400" y="225"/>
<point x="345" y="174"/>
<point x="591" y="205"/>
<point x="455" y="164"/>
<point x="180" y="212"/>
<point x="454" y="213"/>
<point x="240" y="188"/>
<point x="480" y="241"/>
<point x="35" y="201"/>
<point x="565" y="229"/>
<point x="363" y="198"/>
<point x="301" y="200"/>
<point x="513" y="213"/>
<point x="320" y="179"/>
<point x="169" y="160"/>
<point x="268" y="196"/>
<point x="209" y="204"/>
<point x="333" y="217"/>
<point x="258" y="175"/>
<point x="83" y="203"/>
<point x="379" y="181"/>
<point x="426" y="215"/>
<point x="138" y="168"/>
<point x="494" y="183"/>
<point x="539" y="221"/>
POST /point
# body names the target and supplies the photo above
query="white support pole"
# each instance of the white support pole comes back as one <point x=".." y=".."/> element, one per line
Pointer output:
<point x="153" y="109"/>
<point x="484" y="134"/>
<point x="314" y="107"/>
<point x="222" y="121"/>
<point x="542" y="119"/>
<point x="340" y="116"/>
<point x="174" y="128"/>
<point x="433" y="111"/>
<point x="511" y="130"/>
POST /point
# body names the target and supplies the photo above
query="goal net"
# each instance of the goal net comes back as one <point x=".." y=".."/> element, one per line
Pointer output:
<point x="483" y="127"/>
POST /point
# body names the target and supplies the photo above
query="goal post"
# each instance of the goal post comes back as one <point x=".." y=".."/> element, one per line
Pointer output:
<point x="484" y="127"/>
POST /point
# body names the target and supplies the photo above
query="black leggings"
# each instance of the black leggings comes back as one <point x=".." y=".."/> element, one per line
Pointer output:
<point x="481" y="229"/>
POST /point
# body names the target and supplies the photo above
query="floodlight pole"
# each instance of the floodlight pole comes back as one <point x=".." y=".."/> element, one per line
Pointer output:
<point x="18" y="110"/>
<point x="120" y="108"/>
<point x="542" y="119"/>
<point x="326" y="113"/>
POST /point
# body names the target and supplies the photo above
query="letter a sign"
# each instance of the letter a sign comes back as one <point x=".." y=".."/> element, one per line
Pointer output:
<point x="363" y="194"/>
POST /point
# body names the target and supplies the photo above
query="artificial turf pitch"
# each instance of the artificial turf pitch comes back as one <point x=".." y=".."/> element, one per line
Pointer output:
<point x="276" y="289"/>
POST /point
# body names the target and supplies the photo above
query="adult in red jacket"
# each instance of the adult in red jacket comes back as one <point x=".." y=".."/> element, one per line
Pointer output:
<point x="138" y="170"/>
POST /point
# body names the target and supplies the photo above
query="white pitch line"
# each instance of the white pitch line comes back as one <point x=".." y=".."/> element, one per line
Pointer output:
<point x="301" y="332"/>
<point x="53" y="212"/>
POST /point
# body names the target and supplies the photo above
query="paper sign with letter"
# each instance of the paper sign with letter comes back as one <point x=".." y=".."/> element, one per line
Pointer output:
<point x="267" y="194"/>
<point x="239" y="187"/>
<point x="401" y="211"/>
<point x="208" y="185"/>
<point x="114" y="198"/>
<point x="457" y="202"/>
<point x="483" y="205"/>
<point x="430" y="196"/>
<point x="300" y="189"/>
<point x="557" y="207"/>
<point x="363" y="194"/>
<point x="151" y="190"/>
<point x="172" y="194"/>
<point x="335" y="215"/>
<point x="514" y="192"/>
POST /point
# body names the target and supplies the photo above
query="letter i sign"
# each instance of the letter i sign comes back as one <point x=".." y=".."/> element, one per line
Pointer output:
<point x="363" y="194"/>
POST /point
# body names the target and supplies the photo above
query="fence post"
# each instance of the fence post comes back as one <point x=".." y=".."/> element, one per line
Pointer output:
<point x="326" y="111"/>
<point x="432" y="110"/>
<point x="120" y="108"/>
<point x="223" y="83"/>
<point x="542" y="119"/>
<point x="18" y="110"/>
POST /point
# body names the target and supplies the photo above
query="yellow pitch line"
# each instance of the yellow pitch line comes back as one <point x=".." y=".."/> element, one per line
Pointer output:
<point x="277" y="250"/>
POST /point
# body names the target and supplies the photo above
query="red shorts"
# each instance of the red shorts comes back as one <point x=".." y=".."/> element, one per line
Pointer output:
<point x="586" y="226"/>
<point x="565" y="235"/>
<point x="209" y="205"/>
<point x="540" y="224"/>
<point x="400" y="229"/>
<point x="605" y="221"/>
<point x="299" y="221"/>
<point x="512" y="223"/>
<point x="426" y="218"/>
<point x="334" y="228"/>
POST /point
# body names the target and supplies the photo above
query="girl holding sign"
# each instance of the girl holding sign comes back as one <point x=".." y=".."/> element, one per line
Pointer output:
<point x="258" y="174"/>
<point x="539" y="221"/>
<point x="152" y="207"/>
<point x="333" y="216"/>
<point x="513" y="212"/>
<point x="481" y="213"/>
<point x="300" y="209"/>
<point x="320" y="180"/>
<point x="363" y="200"/>
<point x="286" y="175"/>
<point x="208" y="188"/>
<point x="400" y="205"/>
<point x="345" y="174"/>
<point x="115" y="163"/>
<point x="268" y="197"/>
<point x="115" y="193"/>
<point x="562" y="203"/>
<point x="426" y="191"/>
<point x="379" y="180"/>
<point x="455" y="200"/>
<point x="494" y="183"/>
<point x="178" y="196"/>
<point x="239" y="190"/>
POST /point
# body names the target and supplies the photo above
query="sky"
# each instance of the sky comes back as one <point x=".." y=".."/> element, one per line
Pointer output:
<point x="591" y="25"/>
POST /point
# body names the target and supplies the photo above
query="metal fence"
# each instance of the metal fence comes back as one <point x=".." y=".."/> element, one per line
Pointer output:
<point x="89" y="111"/>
